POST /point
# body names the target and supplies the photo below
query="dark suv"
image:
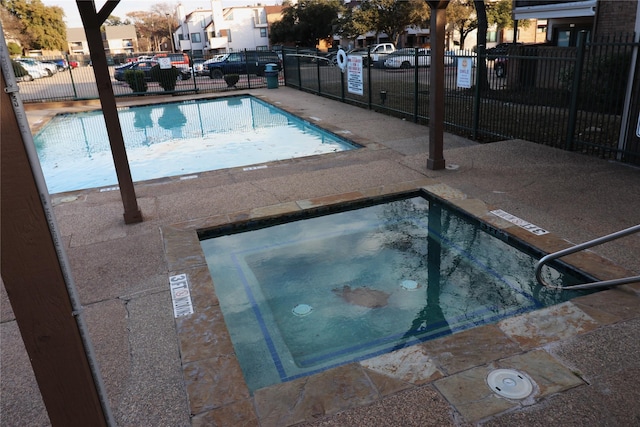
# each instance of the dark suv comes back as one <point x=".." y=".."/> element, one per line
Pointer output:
<point x="245" y="62"/>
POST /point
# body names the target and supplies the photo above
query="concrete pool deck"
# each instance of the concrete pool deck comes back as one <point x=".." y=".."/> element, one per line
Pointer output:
<point x="583" y="356"/>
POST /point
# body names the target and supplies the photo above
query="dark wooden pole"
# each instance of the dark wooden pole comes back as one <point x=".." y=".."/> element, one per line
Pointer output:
<point x="91" y="20"/>
<point x="36" y="287"/>
<point x="436" y="84"/>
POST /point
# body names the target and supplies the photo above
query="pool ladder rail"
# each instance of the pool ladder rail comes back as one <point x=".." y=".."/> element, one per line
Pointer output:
<point x="583" y="246"/>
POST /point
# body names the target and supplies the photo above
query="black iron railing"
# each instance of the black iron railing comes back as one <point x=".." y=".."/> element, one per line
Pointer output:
<point x="584" y="98"/>
<point x="570" y="98"/>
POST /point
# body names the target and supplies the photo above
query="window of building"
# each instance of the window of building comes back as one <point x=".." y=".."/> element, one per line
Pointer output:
<point x="263" y="32"/>
<point x="492" y="36"/>
<point x="229" y="17"/>
<point x="229" y="36"/>
<point x="568" y="36"/>
<point x="195" y="37"/>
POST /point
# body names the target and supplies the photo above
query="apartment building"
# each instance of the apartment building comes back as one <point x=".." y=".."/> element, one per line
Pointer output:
<point x="219" y="30"/>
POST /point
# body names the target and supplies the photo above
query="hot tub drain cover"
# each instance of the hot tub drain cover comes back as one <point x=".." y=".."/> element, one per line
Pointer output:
<point x="409" y="285"/>
<point x="509" y="383"/>
<point x="302" y="309"/>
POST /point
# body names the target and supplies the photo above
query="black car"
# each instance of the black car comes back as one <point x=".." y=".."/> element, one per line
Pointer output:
<point x="145" y="66"/>
<point x="501" y="49"/>
<point x="245" y="62"/>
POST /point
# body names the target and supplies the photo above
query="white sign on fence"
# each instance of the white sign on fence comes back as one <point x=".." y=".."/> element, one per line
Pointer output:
<point x="164" y="62"/>
<point x="354" y="75"/>
<point x="464" y="72"/>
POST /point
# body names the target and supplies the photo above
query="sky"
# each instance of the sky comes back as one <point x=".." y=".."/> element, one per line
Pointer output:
<point x="72" y="17"/>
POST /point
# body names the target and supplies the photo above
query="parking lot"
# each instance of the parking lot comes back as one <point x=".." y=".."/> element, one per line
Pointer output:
<point x="80" y="83"/>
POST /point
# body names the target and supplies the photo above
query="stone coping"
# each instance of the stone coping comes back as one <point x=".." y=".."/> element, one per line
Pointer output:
<point x="455" y="366"/>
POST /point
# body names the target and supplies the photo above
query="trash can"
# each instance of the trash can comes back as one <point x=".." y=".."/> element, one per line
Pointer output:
<point x="271" y="72"/>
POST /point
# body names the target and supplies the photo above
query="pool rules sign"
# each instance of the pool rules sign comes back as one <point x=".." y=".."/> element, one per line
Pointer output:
<point x="354" y="75"/>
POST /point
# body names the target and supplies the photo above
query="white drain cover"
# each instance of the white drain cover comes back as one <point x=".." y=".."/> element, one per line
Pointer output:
<point x="302" y="309"/>
<point x="409" y="285"/>
<point x="509" y="383"/>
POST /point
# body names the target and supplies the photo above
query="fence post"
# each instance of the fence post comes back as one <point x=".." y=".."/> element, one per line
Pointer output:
<point x="318" y="71"/>
<point x="246" y="61"/>
<point x="73" y="84"/>
<point x="575" y="89"/>
<point x="299" y="72"/>
<point x="284" y="66"/>
<point x="193" y="74"/>
<point x="480" y="56"/>
<point x="369" y="77"/>
<point x="342" y="85"/>
<point x="415" y="85"/>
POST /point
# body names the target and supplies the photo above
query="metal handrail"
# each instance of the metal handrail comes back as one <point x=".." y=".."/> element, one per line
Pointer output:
<point x="580" y="247"/>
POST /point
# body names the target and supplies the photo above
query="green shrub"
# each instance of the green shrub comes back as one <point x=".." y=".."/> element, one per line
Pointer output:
<point x="166" y="77"/>
<point x="18" y="69"/>
<point x="231" y="79"/>
<point x="135" y="80"/>
<point x="14" y="48"/>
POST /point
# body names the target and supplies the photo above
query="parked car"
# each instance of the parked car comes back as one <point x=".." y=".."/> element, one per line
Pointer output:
<point x="145" y="66"/>
<point x="332" y="57"/>
<point x="377" y="53"/>
<point x="406" y="58"/>
<point x="33" y="72"/>
<point x="140" y="58"/>
<point x="61" y="64"/>
<point x="198" y="67"/>
<point x="25" y="72"/>
<point x="47" y="69"/>
<point x="73" y="64"/>
<point x="245" y="62"/>
<point x="500" y="66"/>
<point x="501" y="49"/>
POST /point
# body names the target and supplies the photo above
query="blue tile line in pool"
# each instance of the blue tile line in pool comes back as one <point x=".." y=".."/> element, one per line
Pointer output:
<point x="533" y="304"/>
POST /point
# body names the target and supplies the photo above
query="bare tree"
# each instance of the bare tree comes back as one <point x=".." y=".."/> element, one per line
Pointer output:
<point x="461" y="17"/>
<point x="153" y="27"/>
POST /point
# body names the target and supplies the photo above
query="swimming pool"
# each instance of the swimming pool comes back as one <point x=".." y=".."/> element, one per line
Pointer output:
<point x="183" y="138"/>
<point x="306" y="293"/>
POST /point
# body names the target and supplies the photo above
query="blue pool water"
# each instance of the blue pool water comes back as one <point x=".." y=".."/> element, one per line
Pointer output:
<point x="176" y="139"/>
<point x="302" y="296"/>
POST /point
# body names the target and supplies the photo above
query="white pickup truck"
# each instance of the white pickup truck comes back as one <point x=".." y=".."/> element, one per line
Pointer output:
<point x="378" y="52"/>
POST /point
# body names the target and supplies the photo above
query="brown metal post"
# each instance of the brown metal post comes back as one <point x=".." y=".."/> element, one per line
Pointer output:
<point x="37" y="290"/>
<point x="92" y="22"/>
<point x="436" y="85"/>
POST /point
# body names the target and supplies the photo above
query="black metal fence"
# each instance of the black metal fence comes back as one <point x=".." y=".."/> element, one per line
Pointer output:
<point x="78" y="82"/>
<point x="570" y="98"/>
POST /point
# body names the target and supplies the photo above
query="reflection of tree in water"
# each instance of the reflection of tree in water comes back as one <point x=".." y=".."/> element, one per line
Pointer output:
<point x="481" y="276"/>
<point x="172" y="117"/>
<point x="423" y="251"/>
<point x="142" y="118"/>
